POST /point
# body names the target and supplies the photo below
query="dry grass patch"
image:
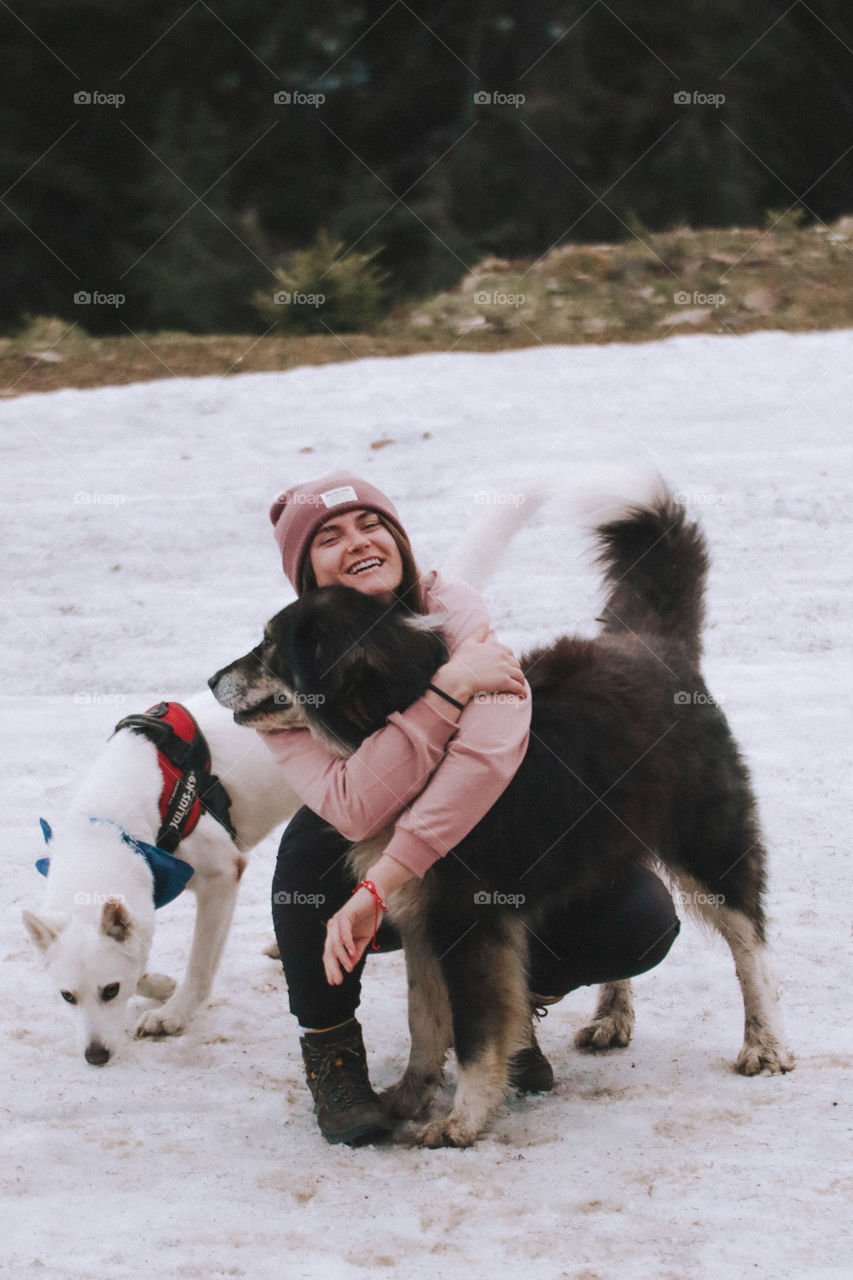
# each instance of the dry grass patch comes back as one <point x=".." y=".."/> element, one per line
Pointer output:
<point x="735" y="281"/>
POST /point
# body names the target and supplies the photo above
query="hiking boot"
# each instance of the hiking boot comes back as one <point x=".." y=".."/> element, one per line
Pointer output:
<point x="346" y="1107"/>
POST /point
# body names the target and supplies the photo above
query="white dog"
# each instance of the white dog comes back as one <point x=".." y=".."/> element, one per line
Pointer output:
<point x="96" y="925"/>
<point x="97" y="922"/>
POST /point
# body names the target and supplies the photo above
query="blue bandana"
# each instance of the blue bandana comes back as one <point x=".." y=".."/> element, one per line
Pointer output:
<point x="170" y="873"/>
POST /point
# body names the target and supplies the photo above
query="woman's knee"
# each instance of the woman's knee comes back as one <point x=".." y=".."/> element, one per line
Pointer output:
<point x="310" y="850"/>
<point x="613" y="935"/>
<point x="650" y="921"/>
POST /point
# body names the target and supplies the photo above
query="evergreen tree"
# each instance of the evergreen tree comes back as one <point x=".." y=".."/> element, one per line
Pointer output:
<point x="187" y="196"/>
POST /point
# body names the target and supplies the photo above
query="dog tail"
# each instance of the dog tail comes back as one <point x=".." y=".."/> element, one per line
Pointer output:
<point x="655" y="565"/>
<point x="483" y="545"/>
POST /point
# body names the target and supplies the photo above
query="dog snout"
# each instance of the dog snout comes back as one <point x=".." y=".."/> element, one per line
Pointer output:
<point x="228" y="684"/>
<point x="221" y="685"/>
<point x="97" y="1055"/>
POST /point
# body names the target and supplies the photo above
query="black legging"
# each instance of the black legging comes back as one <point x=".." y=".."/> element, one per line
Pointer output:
<point x="622" y="931"/>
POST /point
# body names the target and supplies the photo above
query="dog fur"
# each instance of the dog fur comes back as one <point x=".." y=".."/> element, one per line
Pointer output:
<point x="96" y="925"/>
<point x="630" y="761"/>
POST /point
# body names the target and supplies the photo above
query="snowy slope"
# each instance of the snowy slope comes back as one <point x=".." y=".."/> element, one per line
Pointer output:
<point x="138" y="558"/>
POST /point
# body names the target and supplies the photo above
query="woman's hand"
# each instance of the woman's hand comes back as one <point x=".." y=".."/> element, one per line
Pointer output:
<point x="347" y="935"/>
<point x="481" y="664"/>
<point x="350" y="929"/>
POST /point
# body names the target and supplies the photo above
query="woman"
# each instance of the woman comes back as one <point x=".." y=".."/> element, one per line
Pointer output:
<point x="433" y="771"/>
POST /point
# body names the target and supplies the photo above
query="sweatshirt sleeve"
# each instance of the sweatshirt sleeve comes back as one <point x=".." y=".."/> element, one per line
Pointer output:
<point x="477" y="767"/>
<point x="482" y="756"/>
<point x="361" y="794"/>
<point x="437" y="777"/>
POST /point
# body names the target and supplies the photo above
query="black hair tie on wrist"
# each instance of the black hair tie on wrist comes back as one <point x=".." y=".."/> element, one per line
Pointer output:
<point x="460" y="706"/>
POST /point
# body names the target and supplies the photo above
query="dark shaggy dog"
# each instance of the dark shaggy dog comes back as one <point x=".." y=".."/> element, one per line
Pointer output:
<point x="630" y="760"/>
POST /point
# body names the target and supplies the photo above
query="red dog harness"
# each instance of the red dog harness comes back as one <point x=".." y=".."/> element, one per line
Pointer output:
<point x="189" y="787"/>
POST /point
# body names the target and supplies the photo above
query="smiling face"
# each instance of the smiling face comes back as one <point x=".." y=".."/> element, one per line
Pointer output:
<point x="357" y="550"/>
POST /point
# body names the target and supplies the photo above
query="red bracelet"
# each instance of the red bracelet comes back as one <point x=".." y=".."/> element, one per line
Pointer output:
<point x="371" y="888"/>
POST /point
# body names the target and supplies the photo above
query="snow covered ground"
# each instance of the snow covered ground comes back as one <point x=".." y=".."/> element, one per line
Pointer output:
<point x="138" y="558"/>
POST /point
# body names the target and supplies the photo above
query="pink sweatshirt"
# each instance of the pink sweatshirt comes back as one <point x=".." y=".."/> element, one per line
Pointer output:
<point x="436" y="777"/>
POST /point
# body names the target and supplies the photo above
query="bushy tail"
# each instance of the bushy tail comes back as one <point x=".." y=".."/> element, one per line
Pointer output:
<point x="482" y="547"/>
<point x="655" y="563"/>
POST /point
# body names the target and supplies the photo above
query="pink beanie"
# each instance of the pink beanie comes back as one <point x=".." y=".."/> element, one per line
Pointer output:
<point x="298" y="513"/>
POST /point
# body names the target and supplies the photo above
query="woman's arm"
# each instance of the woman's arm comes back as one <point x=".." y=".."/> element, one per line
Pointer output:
<point x="365" y="792"/>
<point x="350" y="929"/>
<point x="478" y="763"/>
<point x="476" y="768"/>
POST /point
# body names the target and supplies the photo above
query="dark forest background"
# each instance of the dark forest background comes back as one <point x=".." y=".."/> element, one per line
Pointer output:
<point x="184" y="197"/>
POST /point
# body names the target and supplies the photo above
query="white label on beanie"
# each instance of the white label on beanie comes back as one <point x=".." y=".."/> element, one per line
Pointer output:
<point x="334" y="497"/>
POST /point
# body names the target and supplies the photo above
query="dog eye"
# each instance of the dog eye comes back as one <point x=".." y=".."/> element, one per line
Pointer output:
<point x="110" y="992"/>
<point x="69" y="997"/>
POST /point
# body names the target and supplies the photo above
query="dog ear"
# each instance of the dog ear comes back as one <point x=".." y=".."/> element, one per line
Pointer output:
<point x="44" y="930"/>
<point x="332" y="642"/>
<point x="367" y="655"/>
<point x="115" y="920"/>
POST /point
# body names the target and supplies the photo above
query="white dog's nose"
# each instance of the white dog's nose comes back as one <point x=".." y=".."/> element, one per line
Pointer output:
<point x="97" y="1055"/>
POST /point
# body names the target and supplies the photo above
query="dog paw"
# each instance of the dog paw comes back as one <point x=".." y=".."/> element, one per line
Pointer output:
<point x="605" y="1033"/>
<point x="408" y="1099"/>
<point x="161" y="1022"/>
<point x="155" y="986"/>
<point x="450" y="1131"/>
<point x="769" y="1056"/>
<point x="271" y="950"/>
